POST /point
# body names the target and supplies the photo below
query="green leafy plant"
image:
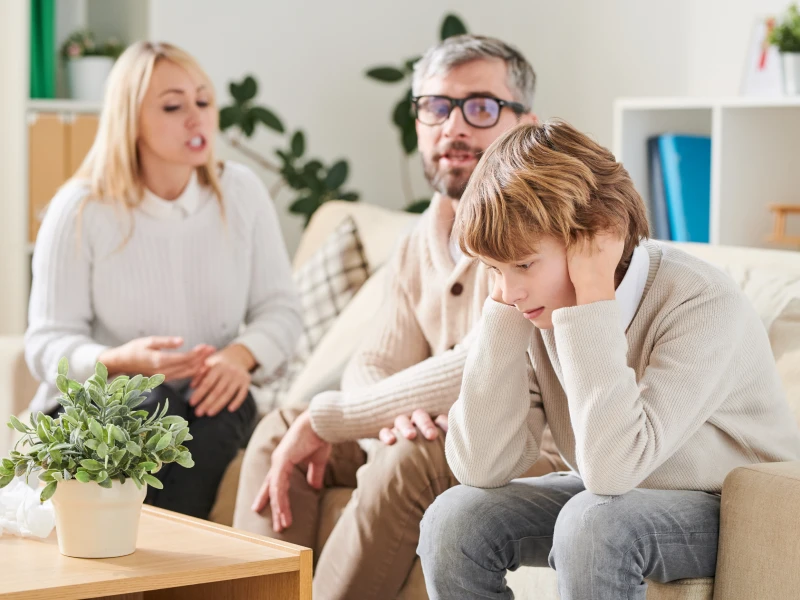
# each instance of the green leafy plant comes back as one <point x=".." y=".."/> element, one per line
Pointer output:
<point x="99" y="437"/>
<point x="402" y="115"/>
<point x="786" y="35"/>
<point x="82" y="43"/>
<point x="313" y="182"/>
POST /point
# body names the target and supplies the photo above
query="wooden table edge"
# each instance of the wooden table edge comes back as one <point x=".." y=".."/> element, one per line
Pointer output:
<point x="300" y="559"/>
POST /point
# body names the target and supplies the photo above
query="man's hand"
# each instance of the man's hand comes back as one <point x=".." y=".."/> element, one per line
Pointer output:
<point x="300" y="446"/>
<point x="592" y="265"/>
<point x="407" y="427"/>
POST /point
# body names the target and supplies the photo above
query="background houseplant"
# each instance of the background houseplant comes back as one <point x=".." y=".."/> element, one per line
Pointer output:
<point x="88" y="64"/>
<point x="311" y="181"/>
<point x="100" y="438"/>
<point x="786" y="36"/>
<point x="402" y="115"/>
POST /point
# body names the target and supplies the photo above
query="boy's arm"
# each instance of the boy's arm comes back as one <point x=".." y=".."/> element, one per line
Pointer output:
<point x="495" y="427"/>
<point x="625" y="429"/>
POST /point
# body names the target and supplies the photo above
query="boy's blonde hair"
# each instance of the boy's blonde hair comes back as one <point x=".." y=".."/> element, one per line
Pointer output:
<point x="546" y="179"/>
<point x="111" y="168"/>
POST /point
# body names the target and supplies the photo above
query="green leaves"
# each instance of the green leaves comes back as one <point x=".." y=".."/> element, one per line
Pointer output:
<point x="451" y="26"/>
<point x="96" y="429"/>
<point x="101" y="372"/>
<point x="265" y="116"/>
<point x="98" y="438"/>
<point x="163" y="442"/>
<point x="152" y="481"/>
<point x="786" y="35"/>
<point x="242" y="92"/>
<point x="17" y="424"/>
<point x="337" y="175"/>
<point x="298" y="144"/>
<point x="418" y="206"/>
<point x="48" y="491"/>
<point x="386" y="74"/>
<point x="312" y="183"/>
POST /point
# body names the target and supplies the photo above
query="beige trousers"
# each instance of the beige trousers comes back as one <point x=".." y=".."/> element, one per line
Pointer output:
<point x="372" y="547"/>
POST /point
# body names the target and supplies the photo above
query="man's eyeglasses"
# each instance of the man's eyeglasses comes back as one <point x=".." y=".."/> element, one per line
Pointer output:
<point x="479" y="111"/>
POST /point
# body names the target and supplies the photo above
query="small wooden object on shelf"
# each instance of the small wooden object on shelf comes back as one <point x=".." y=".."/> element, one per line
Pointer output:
<point x="779" y="231"/>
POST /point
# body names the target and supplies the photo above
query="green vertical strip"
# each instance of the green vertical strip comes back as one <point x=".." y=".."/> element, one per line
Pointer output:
<point x="43" y="49"/>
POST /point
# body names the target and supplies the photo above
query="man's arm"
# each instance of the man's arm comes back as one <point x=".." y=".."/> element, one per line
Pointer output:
<point x="393" y="372"/>
<point x="495" y="427"/>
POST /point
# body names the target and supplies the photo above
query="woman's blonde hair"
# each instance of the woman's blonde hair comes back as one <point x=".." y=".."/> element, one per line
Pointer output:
<point x="547" y="180"/>
<point x="111" y="168"/>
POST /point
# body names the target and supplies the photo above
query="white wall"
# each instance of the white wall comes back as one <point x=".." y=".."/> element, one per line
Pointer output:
<point x="13" y="188"/>
<point x="310" y="56"/>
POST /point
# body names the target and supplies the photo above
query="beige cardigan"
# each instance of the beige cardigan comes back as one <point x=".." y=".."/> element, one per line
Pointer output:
<point x="414" y="358"/>
<point x="689" y="392"/>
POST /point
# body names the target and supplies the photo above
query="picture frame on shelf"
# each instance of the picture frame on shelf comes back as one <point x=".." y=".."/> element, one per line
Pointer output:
<point x="763" y="75"/>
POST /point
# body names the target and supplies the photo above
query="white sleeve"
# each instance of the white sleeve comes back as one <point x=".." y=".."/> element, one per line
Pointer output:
<point x="60" y="312"/>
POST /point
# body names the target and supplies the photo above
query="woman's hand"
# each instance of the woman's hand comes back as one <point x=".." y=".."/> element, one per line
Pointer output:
<point x="223" y="381"/>
<point x="152" y="355"/>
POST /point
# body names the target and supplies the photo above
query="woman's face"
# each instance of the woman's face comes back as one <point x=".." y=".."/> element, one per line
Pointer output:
<point x="177" y="118"/>
<point x="537" y="284"/>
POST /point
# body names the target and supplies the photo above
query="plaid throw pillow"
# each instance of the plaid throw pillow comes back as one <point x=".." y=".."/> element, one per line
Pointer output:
<point x="325" y="284"/>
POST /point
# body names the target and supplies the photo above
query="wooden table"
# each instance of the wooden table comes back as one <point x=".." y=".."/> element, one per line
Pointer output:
<point x="177" y="557"/>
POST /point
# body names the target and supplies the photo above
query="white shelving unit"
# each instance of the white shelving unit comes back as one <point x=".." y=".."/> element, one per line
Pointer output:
<point x="755" y="156"/>
<point x="128" y="21"/>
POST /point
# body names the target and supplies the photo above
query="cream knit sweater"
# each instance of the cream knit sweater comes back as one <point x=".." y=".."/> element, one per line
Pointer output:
<point x="207" y="276"/>
<point x="689" y="392"/>
<point x="415" y="356"/>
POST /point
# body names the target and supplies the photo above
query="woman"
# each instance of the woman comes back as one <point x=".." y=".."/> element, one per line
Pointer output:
<point x="155" y="258"/>
<point x="650" y="366"/>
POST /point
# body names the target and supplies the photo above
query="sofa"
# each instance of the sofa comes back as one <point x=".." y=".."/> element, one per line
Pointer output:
<point x="760" y="532"/>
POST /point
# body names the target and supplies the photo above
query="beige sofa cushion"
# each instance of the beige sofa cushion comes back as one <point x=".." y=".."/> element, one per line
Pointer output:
<point x="323" y="369"/>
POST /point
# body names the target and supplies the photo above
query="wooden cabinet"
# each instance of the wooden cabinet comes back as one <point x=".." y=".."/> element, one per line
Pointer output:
<point x="57" y="144"/>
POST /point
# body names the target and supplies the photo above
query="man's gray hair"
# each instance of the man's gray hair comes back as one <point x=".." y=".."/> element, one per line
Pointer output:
<point x="460" y="49"/>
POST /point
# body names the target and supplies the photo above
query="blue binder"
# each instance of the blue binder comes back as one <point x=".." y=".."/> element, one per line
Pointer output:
<point x="686" y="168"/>
<point x="659" y="219"/>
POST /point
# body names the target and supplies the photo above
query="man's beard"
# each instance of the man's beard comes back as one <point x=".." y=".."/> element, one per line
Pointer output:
<point x="449" y="182"/>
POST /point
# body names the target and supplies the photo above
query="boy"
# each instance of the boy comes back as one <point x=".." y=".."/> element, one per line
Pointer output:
<point x="653" y="372"/>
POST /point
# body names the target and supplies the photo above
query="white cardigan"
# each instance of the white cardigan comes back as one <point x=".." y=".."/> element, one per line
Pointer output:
<point x="208" y="275"/>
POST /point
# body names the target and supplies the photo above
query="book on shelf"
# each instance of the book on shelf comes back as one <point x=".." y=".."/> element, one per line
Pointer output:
<point x="679" y="169"/>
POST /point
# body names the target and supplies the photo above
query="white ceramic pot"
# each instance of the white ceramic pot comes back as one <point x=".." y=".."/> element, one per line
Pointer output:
<point x="791" y="72"/>
<point x="87" y="77"/>
<point x="97" y="522"/>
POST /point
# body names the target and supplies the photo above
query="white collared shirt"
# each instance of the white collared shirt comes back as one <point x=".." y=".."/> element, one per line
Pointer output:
<point x="192" y="199"/>
<point x="630" y="290"/>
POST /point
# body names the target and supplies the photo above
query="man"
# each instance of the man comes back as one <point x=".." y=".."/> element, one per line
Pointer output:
<point x="400" y="385"/>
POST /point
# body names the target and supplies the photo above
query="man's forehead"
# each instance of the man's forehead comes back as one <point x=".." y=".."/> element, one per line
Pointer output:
<point x="483" y="76"/>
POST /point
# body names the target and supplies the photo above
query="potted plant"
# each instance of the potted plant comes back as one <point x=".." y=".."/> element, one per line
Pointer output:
<point x="97" y="458"/>
<point x="786" y="36"/>
<point x="88" y="64"/>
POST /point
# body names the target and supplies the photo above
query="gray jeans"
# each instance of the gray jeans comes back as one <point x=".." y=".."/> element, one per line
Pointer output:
<point x="603" y="547"/>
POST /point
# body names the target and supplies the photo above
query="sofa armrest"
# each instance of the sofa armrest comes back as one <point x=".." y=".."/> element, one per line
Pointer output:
<point x="759" y="531"/>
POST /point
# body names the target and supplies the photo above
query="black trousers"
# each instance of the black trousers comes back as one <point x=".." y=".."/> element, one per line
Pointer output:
<point x="216" y="441"/>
